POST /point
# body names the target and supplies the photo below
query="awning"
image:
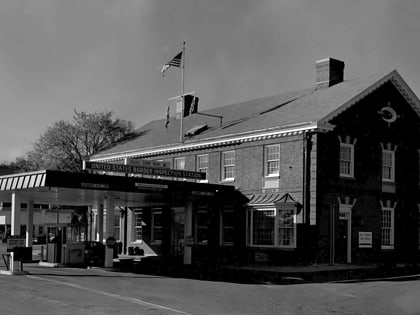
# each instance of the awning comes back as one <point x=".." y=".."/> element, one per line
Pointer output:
<point x="273" y="199"/>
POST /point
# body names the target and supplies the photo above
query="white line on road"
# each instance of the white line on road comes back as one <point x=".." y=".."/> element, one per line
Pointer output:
<point x="117" y="296"/>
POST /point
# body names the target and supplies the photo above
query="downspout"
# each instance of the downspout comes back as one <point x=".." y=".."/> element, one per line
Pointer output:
<point x="306" y="175"/>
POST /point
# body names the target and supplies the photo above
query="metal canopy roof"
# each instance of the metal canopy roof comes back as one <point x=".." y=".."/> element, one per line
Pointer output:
<point x="78" y="189"/>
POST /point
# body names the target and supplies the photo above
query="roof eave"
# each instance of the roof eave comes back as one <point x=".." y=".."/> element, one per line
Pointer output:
<point x="218" y="141"/>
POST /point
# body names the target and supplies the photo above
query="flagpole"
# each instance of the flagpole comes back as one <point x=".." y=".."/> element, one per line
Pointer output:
<point x="181" y="138"/>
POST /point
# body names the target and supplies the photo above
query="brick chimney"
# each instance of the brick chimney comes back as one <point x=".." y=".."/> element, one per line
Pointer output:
<point x="329" y="72"/>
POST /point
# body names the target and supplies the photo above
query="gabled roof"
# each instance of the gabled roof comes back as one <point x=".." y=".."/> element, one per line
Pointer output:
<point x="291" y="112"/>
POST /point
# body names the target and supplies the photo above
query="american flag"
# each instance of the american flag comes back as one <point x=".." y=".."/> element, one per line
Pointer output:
<point x="174" y="62"/>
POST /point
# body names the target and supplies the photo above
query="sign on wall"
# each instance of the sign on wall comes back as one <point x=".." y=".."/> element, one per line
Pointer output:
<point x="365" y="239"/>
<point x="138" y="169"/>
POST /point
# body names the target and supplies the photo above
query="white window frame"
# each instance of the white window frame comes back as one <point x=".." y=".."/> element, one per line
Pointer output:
<point x="269" y="159"/>
<point x="392" y="166"/>
<point x="390" y="229"/>
<point x="203" y="167"/>
<point x="350" y="173"/>
<point x="224" y="227"/>
<point x="138" y="225"/>
<point x="226" y="167"/>
<point x="153" y="238"/>
<point x="275" y="214"/>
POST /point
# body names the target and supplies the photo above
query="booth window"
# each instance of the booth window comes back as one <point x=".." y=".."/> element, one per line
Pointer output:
<point x="157" y="227"/>
<point x="228" y="165"/>
<point x="272" y="160"/>
<point x="270" y="227"/>
<point x="201" y="226"/>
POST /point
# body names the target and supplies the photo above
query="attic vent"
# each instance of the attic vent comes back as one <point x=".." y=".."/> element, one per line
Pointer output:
<point x="196" y="130"/>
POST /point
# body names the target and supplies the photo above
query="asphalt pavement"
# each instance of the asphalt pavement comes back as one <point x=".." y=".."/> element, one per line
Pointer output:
<point x="103" y="291"/>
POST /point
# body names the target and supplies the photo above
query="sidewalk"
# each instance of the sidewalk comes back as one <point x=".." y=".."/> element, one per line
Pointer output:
<point x="272" y="274"/>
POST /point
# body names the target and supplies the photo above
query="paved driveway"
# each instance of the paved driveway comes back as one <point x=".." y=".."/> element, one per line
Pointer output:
<point x="98" y="291"/>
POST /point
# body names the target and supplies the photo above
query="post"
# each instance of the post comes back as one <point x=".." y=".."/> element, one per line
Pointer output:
<point x="181" y="136"/>
<point x="30" y="223"/>
<point x="109" y="232"/>
<point x="188" y="237"/>
<point x="100" y="223"/>
<point x="15" y="222"/>
<point x="332" y="232"/>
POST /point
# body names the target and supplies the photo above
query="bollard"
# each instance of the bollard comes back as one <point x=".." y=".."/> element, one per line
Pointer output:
<point x="42" y="253"/>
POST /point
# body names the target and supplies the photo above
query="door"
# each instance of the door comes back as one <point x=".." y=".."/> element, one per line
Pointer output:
<point x="343" y="238"/>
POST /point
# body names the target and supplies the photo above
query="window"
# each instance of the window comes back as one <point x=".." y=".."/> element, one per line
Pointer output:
<point x="387" y="228"/>
<point x="138" y="225"/>
<point x="117" y="227"/>
<point x="227" y="226"/>
<point x="228" y="165"/>
<point x="286" y="228"/>
<point x="272" y="160"/>
<point x="203" y="164"/>
<point x="202" y="221"/>
<point x="388" y="166"/>
<point x="346" y="160"/>
<point x="179" y="163"/>
<point x="272" y="227"/>
<point x="156" y="227"/>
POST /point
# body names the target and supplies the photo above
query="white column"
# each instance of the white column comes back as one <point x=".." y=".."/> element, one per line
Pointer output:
<point x="100" y="223"/>
<point x="188" y="233"/>
<point x="109" y="231"/>
<point x="15" y="225"/>
<point x="15" y="215"/>
<point x="30" y="223"/>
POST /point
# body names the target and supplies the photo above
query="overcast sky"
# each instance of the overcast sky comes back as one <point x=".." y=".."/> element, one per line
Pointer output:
<point x="93" y="55"/>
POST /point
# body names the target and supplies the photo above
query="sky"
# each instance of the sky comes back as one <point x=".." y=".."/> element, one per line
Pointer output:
<point x="57" y="56"/>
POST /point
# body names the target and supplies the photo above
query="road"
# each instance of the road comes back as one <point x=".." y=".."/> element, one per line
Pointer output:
<point x="97" y="291"/>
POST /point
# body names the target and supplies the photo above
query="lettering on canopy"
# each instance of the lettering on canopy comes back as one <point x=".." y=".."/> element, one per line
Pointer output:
<point x="136" y="169"/>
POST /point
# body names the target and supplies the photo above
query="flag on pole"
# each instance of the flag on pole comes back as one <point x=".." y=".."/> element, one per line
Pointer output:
<point x="167" y="117"/>
<point x="174" y="62"/>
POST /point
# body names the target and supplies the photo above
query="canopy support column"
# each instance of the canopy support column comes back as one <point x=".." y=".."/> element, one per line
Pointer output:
<point x="30" y="223"/>
<point x="15" y="227"/>
<point x="100" y="223"/>
<point x="188" y="237"/>
<point x="109" y="232"/>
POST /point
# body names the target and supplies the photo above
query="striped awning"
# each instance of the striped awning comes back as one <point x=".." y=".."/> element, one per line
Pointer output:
<point x="263" y="199"/>
<point x="269" y="199"/>
<point x="22" y="181"/>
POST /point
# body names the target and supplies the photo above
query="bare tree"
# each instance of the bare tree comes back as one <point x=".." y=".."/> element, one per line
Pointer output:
<point x="64" y="145"/>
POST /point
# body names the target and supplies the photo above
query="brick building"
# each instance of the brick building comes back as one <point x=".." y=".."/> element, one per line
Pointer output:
<point x="330" y="173"/>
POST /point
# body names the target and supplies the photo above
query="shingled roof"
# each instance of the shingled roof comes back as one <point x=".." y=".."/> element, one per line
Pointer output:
<point x="308" y="107"/>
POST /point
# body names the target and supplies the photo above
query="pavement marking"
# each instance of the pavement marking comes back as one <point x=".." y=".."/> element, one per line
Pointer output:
<point x="117" y="296"/>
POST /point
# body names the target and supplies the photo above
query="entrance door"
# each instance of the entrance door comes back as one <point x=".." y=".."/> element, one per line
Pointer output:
<point x="343" y="238"/>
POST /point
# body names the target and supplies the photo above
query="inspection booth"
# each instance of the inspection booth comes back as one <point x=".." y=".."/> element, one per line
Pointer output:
<point x="106" y="195"/>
